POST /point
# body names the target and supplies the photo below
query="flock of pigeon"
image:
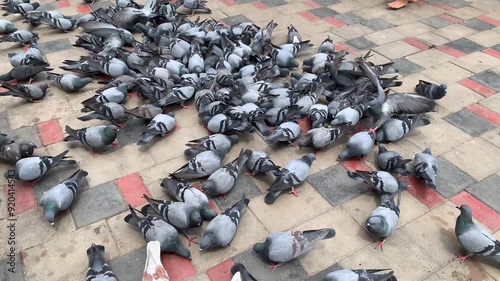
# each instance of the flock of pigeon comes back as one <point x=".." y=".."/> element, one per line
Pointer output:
<point x="241" y="83"/>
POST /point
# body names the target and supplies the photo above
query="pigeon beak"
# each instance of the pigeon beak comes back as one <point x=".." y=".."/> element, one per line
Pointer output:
<point x="52" y="223"/>
<point x="201" y="250"/>
<point x="458" y="207"/>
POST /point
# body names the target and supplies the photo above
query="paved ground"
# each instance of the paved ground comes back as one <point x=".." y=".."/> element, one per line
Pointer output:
<point x="455" y="42"/>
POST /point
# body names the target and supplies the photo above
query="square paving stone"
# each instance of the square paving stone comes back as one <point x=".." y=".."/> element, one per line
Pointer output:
<point x="465" y="46"/>
<point x="478" y="24"/>
<point x="450" y="179"/>
<point x="320" y="276"/>
<point x="28" y="133"/>
<point x="245" y="185"/>
<point x="4" y="124"/>
<point x="6" y="275"/>
<point x="349" y="18"/>
<point x="377" y="24"/>
<point x="488" y="78"/>
<point x="436" y="22"/>
<point x="55" y="46"/>
<point x="327" y="2"/>
<point x="323" y="12"/>
<point x="361" y="43"/>
<point x="274" y="3"/>
<point x="455" y="3"/>
<point x="335" y="185"/>
<point x="236" y="20"/>
<point x="407" y="67"/>
<point x="48" y="7"/>
<point x="496" y="47"/>
<point x="132" y="132"/>
<point x="290" y="271"/>
<point x="488" y="191"/>
<point x="54" y="177"/>
<point x="130" y="266"/>
<point x="97" y="203"/>
<point x="469" y="122"/>
<point x="243" y="1"/>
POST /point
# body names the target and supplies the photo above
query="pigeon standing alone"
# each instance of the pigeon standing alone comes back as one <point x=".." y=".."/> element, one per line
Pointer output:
<point x="432" y="91"/>
<point x="360" y="275"/>
<point x="425" y="167"/>
<point x="384" y="219"/>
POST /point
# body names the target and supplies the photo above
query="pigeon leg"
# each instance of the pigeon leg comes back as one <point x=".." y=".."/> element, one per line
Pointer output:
<point x="192" y="13"/>
<point x="120" y="125"/>
<point x="190" y="239"/>
<point x="115" y="144"/>
<point x="31" y="80"/>
<point x="294" y="192"/>
<point x="292" y="144"/>
<point x="462" y="258"/>
<point x="249" y="174"/>
<point x="223" y="196"/>
<point x="273" y="267"/>
<point x="93" y="152"/>
<point x="186" y="106"/>
<point x="33" y="182"/>
<point x="381" y="245"/>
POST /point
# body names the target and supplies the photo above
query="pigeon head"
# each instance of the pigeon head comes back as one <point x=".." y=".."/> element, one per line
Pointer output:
<point x="428" y="151"/>
<point x="122" y="88"/>
<point x="304" y="141"/>
<point x="465" y="212"/>
<point x="233" y="139"/>
<point x="27" y="149"/>
<point x="207" y="242"/>
<point x="196" y="218"/>
<point x="380" y="135"/>
<point x="260" y="249"/>
<point x="35" y="5"/>
<point x="377" y="226"/>
<point x="381" y="148"/>
<point x="50" y="213"/>
<point x="80" y="83"/>
<point x="9" y="28"/>
<point x="110" y="132"/>
<point x="209" y="188"/>
<point x="309" y="158"/>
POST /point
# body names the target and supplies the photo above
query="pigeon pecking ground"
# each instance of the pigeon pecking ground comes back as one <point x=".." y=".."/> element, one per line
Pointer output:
<point x="277" y="110"/>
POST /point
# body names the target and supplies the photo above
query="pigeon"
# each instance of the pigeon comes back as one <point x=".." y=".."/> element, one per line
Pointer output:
<point x="293" y="174"/>
<point x="383" y="182"/>
<point x="60" y="197"/>
<point x="7" y="27"/>
<point x="13" y="151"/>
<point x="145" y="111"/>
<point x="20" y="36"/>
<point x="195" y="5"/>
<point x="384" y="219"/>
<point x="69" y="82"/>
<point x="62" y="24"/>
<point x="318" y="114"/>
<point x="474" y="239"/>
<point x="183" y="191"/>
<point x="202" y="165"/>
<point x="360" y="275"/>
<point x="293" y="35"/>
<point x="21" y="58"/>
<point x="114" y="94"/>
<point x="153" y="269"/>
<point x="221" y="123"/>
<point x="395" y="129"/>
<point x="432" y="91"/>
<point x="31" y="93"/>
<point x="181" y="215"/>
<point x="281" y="247"/>
<point x="262" y="38"/>
<point x="24" y="72"/>
<point x="349" y="115"/>
<point x="4" y="139"/>
<point x="33" y="168"/>
<point x="320" y="138"/>
<point x="110" y="111"/>
<point x="326" y="46"/>
<point x="391" y="161"/>
<point x="22" y="8"/>
<point x="240" y="273"/>
<point x="358" y="145"/>
<point x="221" y="230"/>
<point x="425" y="167"/>
<point x="95" y="137"/>
<point x="155" y="229"/>
<point x="286" y="132"/>
<point x="98" y="270"/>
<point x="218" y="142"/>
<point x="161" y="125"/>
<point x="224" y="179"/>
<point x="260" y="162"/>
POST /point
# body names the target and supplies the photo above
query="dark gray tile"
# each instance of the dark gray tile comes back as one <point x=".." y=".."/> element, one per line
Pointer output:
<point x="320" y="276"/>
<point x="245" y="185"/>
<point x="28" y="133"/>
<point x="45" y="7"/>
<point x="133" y="131"/>
<point x="469" y="122"/>
<point x="496" y="47"/>
<point x="323" y="12"/>
<point x="97" y="203"/>
<point x="327" y="2"/>
<point x="100" y="4"/>
<point x="488" y="78"/>
<point x="11" y="268"/>
<point x="407" y="67"/>
<point x="236" y="20"/>
<point x="377" y="24"/>
<point x="436" y="22"/>
<point x="290" y="271"/>
<point x="455" y="3"/>
<point x="361" y="43"/>
<point x="349" y="18"/>
<point x="4" y="124"/>
<point x="243" y="1"/>
<point x="335" y="186"/>
<point x="450" y="179"/>
<point x="488" y="191"/>
<point x="478" y="24"/>
<point x="274" y="3"/>
<point x="465" y="46"/>
<point x="130" y="266"/>
<point x="55" y="46"/>
<point x="54" y="177"/>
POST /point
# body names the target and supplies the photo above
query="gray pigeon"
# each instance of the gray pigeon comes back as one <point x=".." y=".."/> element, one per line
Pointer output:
<point x="285" y="132"/>
<point x="318" y="113"/>
<point x="69" y="82"/>
<point x="349" y="115"/>
<point x="60" y="197"/>
<point x="384" y="219"/>
<point x="31" y="93"/>
<point x="383" y="182"/>
<point x="183" y="191"/>
<point x="114" y="94"/>
<point x="218" y="142"/>
<point x="161" y="125"/>
<point x="360" y="275"/>
<point x="221" y="123"/>
<point x="391" y="161"/>
<point x="25" y="72"/>
<point x="4" y="139"/>
<point x="145" y="111"/>
<point x="326" y="46"/>
<point x="153" y="228"/>
<point x="225" y="178"/>
<point x="16" y="150"/>
<point x="260" y="162"/>
<point x="358" y="145"/>
<point x="98" y="270"/>
<point x="293" y="35"/>
<point x="240" y="273"/>
<point x="432" y="91"/>
<point x="425" y="167"/>
<point x="293" y="174"/>
<point x="202" y="165"/>
<point x="20" y="36"/>
<point x="474" y="239"/>
<point x="195" y="5"/>
<point x="33" y="168"/>
<point x="281" y="247"/>
<point x="62" y="24"/>
<point x="221" y="230"/>
<point x="7" y="27"/>
<point x="319" y="138"/>
<point x="395" y="129"/>
<point x="110" y="111"/>
<point x="95" y="137"/>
